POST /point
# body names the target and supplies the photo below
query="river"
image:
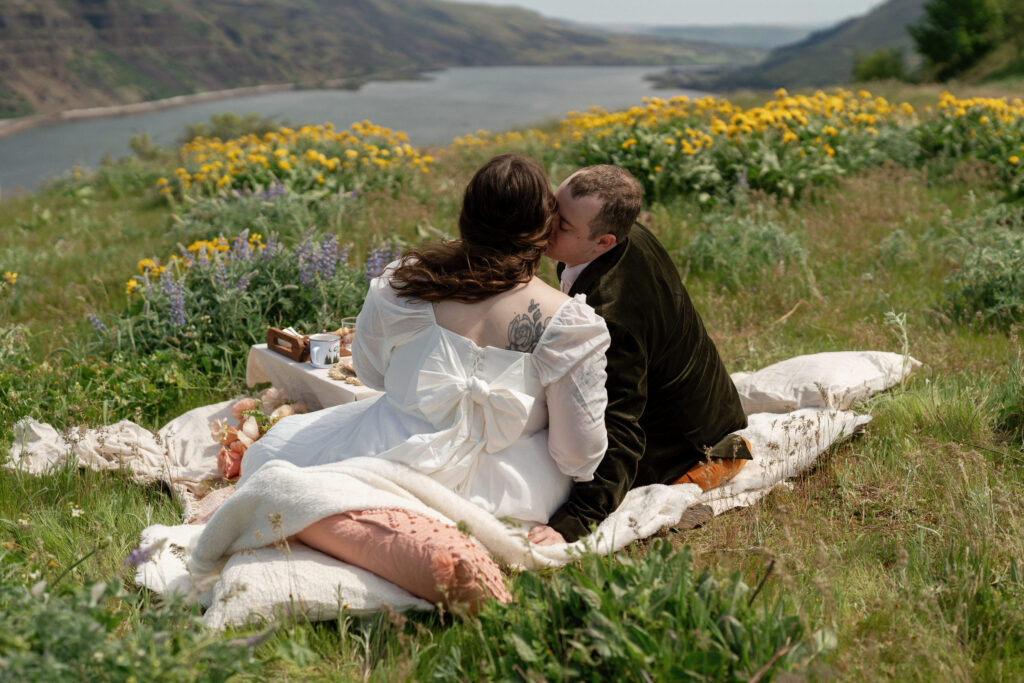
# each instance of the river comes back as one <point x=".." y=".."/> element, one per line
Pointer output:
<point x="433" y="111"/>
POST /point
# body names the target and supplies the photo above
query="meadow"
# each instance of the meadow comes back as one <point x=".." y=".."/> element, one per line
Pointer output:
<point x="800" y="223"/>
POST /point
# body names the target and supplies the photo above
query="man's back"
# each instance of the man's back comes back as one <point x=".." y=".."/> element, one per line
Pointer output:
<point x="670" y="396"/>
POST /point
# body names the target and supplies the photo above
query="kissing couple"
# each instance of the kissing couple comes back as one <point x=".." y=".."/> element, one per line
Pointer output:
<point x="542" y="406"/>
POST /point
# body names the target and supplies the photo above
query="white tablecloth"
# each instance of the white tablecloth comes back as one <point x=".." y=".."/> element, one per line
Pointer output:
<point x="300" y="381"/>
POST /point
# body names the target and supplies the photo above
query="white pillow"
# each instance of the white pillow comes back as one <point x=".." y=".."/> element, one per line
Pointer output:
<point x="822" y="380"/>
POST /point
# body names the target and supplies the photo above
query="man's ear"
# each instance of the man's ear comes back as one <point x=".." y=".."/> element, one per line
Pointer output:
<point x="606" y="242"/>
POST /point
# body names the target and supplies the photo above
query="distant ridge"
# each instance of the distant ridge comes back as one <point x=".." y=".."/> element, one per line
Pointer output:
<point x="64" y="54"/>
<point x="758" y="36"/>
<point x="824" y="58"/>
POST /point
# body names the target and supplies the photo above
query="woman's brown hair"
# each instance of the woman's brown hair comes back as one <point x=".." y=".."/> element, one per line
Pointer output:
<point x="504" y="227"/>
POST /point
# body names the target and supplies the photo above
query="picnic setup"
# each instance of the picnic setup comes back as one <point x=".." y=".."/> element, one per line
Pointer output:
<point x="797" y="409"/>
<point x="410" y="340"/>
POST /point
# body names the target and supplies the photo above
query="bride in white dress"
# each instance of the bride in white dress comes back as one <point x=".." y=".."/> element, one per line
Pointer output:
<point x="494" y="381"/>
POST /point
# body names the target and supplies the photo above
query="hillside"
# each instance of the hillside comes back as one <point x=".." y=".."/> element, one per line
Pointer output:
<point x="59" y="54"/>
<point x="823" y="58"/>
<point x="758" y="36"/>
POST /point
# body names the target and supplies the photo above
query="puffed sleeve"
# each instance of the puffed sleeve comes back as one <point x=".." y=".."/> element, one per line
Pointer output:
<point x="571" y="365"/>
<point x="385" y="322"/>
<point x="370" y="353"/>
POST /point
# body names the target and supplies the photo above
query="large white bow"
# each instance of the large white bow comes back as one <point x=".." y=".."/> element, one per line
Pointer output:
<point x="501" y="412"/>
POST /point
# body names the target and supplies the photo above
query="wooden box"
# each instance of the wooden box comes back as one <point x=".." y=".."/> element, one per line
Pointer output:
<point x="289" y="345"/>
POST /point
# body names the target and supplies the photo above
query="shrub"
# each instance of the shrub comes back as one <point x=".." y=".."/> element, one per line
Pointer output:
<point x="216" y="297"/>
<point x="229" y="125"/>
<point x="988" y="288"/>
<point x="882" y="64"/>
<point x="72" y="632"/>
<point x="275" y="210"/>
<point x="316" y="161"/>
<point x="624" y="618"/>
<point x="737" y="250"/>
<point x="896" y="248"/>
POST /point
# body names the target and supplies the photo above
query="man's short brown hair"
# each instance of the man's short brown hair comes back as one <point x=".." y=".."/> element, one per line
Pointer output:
<point x="619" y="192"/>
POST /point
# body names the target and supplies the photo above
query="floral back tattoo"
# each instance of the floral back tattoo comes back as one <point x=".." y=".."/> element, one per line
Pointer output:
<point x="526" y="328"/>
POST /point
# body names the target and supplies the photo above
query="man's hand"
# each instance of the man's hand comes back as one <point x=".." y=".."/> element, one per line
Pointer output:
<point x="542" y="534"/>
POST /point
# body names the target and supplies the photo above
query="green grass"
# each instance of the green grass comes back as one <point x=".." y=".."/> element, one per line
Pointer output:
<point x="899" y="556"/>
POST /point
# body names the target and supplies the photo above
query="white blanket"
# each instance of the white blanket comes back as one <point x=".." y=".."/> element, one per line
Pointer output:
<point x="182" y="453"/>
<point x="239" y="566"/>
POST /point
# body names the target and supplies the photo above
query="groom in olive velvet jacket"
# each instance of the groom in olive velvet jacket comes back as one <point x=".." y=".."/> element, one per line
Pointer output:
<point x="671" y="402"/>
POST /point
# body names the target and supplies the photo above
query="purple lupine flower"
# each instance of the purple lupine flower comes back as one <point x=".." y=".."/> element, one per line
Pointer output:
<point x="270" y="248"/>
<point x="243" y="282"/>
<point x="325" y="261"/>
<point x="167" y="284"/>
<point x="143" y="554"/>
<point x="220" y="275"/>
<point x="275" y="190"/>
<point x="186" y="256"/>
<point x="241" y="250"/>
<point x="96" y="323"/>
<point x="178" y="305"/>
<point x="175" y="293"/>
<point x="203" y="256"/>
<point x="379" y="257"/>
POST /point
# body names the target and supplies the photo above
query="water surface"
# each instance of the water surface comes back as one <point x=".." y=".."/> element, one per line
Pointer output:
<point x="449" y="103"/>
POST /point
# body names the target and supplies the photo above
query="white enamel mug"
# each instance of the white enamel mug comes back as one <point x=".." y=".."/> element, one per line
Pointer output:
<point x="324" y="350"/>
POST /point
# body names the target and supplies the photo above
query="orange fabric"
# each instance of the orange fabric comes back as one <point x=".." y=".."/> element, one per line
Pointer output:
<point x="713" y="473"/>
<point x="431" y="560"/>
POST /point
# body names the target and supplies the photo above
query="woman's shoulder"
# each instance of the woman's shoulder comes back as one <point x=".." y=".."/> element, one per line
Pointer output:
<point x="390" y="304"/>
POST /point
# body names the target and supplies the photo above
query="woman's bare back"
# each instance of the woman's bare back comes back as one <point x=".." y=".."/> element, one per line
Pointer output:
<point x="513" y="320"/>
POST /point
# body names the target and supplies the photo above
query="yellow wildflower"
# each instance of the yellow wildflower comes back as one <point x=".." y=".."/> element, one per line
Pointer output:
<point x="146" y="264"/>
<point x="628" y="143"/>
<point x="1013" y="160"/>
<point x="131" y="286"/>
<point x="284" y="165"/>
<point x="10" y="277"/>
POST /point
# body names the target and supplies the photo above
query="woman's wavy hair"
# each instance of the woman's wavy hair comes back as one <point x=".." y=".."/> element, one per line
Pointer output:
<point x="504" y="228"/>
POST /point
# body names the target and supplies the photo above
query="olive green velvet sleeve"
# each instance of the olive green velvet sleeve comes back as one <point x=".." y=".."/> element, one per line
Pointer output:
<point x="591" y="501"/>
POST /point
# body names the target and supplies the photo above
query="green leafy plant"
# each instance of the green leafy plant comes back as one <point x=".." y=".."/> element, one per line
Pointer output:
<point x="71" y="631"/>
<point x="738" y="250"/>
<point x="625" y="618"/>
<point x="988" y="288"/>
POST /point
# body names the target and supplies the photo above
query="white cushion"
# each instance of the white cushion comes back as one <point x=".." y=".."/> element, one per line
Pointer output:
<point x="822" y="380"/>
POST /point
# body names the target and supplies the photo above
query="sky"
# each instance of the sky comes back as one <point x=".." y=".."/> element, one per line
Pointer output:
<point x="690" y="12"/>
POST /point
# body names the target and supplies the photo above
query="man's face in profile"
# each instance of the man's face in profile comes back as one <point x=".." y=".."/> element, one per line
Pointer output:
<point x="571" y="241"/>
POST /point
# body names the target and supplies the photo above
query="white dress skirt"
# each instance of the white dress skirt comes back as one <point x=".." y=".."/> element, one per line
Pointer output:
<point x="507" y="430"/>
